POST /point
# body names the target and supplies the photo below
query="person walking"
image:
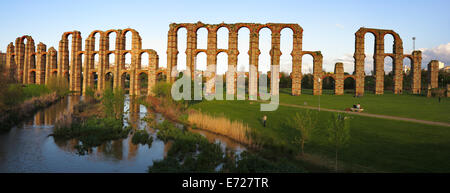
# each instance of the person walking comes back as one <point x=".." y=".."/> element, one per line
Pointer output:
<point x="264" y="120"/>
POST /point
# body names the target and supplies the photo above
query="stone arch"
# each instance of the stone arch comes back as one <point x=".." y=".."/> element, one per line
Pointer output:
<point x="349" y="84"/>
<point x="222" y="63"/>
<point x="286" y="48"/>
<point x="389" y="42"/>
<point x="328" y="82"/>
<point x="143" y="79"/>
<point x="125" y="81"/>
<point x="200" y="60"/>
<point x="201" y="38"/>
<point x="243" y="33"/>
<point x="127" y="58"/>
<point x="109" y="79"/>
<point x="181" y="46"/>
<point x="265" y="47"/>
<point x="222" y="42"/>
<point x="160" y="76"/>
<point x="32" y="76"/>
<point x="112" y="42"/>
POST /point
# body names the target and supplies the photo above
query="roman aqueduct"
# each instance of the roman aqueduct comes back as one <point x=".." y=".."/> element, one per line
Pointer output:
<point x="31" y="65"/>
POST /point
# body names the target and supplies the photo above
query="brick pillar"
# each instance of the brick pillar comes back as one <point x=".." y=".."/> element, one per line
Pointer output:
<point x="232" y="63"/>
<point x="152" y="68"/>
<point x="211" y="61"/>
<point x="20" y="59"/>
<point x="296" y="54"/>
<point x="190" y="47"/>
<point x="359" y="57"/>
<point x="76" y="63"/>
<point x="379" y="65"/>
<point x="103" y="61"/>
<point x="41" y="63"/>
<point x="398" y="65"/>
<point x="51" y="61"/>
<point x="339" y="78"/>
<point x="120" y="60"/>
<point x="11" y="63"/>
<point x="398" y="74"/>
<point x="275" y="54"/>
<point x="63" y="56"/>
<point x="317" y="87"/>
<point x="416" y="71"/>
<point x="87" y="63"/>
<point x="29" y="50"/>
<point x="172" y="52"/>
<point x="253" y="68"/>
<point x="433" y="70"/>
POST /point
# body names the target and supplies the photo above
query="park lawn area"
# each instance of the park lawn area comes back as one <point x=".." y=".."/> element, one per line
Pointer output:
<point x="376" y="145"/>
<point x="404" y="105"/>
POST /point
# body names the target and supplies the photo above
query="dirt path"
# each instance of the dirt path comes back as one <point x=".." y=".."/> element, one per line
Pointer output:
<point x="372" y="115"/>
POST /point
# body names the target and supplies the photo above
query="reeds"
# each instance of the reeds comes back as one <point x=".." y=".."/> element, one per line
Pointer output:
<point x="221" y="125"/>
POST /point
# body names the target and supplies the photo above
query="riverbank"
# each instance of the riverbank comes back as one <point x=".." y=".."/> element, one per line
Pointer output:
<point x="16" y="114"/>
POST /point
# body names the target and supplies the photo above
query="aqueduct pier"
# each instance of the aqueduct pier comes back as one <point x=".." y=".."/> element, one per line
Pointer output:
<point x="31" y="65"/>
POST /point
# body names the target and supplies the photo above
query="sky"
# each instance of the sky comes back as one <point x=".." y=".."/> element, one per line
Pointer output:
<point x="329" y="26"/>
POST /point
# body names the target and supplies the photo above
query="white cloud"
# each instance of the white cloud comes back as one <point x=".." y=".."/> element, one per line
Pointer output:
<point x="441" y="53"/>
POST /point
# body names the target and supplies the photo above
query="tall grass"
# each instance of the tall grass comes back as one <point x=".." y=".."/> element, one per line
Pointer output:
<point x="221" y="125"/>
<point x="60" y="85"/>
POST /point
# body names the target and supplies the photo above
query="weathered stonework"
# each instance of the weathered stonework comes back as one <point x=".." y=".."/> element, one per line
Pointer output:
<point x="433" y="70"/>
<point x="34" y="67"/>
<point x="379" y="56"/>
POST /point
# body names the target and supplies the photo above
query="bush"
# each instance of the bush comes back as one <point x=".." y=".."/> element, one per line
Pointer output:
<point x="142" y="137"/>
<point x="162" y="89"/>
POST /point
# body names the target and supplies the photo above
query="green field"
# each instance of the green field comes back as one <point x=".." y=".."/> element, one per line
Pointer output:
<point x="376" y="145"/>
<point x="404" y="105"/>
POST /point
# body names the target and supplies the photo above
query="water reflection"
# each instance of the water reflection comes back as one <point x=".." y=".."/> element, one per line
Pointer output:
<point x="29" y="148"/>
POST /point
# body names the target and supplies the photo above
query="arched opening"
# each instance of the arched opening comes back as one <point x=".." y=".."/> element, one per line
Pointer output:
<point x="111" y="60"/>
<point x="97" y="41"/>
<point x="369" y="51"/>
<point x="202" y="38"/>
<point x="181" y="47"/>
<point x="328" y="85"/>
<point x="144" y="61"/>
<point x="112" y="36"/>
<point x="83" y="66"/>
<point x="32" y="77"/>
<point x="407" y="74"/>
<point x="33" y="61"/>
<point x="67" y="75"/>
<point x="286" y="46"/>
<point x="265" y="44"/>
<point x="96" y="62"/>
<point x="127" y="64"/>
<point x="388" y="74"/>
<point x="128" y="40"/>
<point x="222" y="63"/>
<point x="388" y="43"/>
<point x="200" y="61"/>
<point x="69" y="49"/>
<point x="94" y="79"/>
<point x="125" y="82"/>
<point x="222" y="38"/>
<point x="307" y="84"/>
<point x="307" y="73"/>
<point x="349" y="85"/>
<point x="243" y="47"/>
<point x="143" y="83"/>
<point x="109" y="80"/>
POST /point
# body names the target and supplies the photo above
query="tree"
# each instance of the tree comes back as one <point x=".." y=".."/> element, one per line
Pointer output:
<point x="305" y="123"/>
<point x="338" y="132"/>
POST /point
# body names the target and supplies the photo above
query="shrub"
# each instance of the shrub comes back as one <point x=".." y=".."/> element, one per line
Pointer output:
<point x="60" y="85"/>
<point x="142" y="137"/>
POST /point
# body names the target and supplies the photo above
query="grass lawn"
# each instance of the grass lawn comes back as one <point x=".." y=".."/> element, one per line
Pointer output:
<point x="404" y="105"/>
<point x="378" y="144"/>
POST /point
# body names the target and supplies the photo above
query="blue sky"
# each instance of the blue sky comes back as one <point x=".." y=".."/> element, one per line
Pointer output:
<point x="329" y="26"/>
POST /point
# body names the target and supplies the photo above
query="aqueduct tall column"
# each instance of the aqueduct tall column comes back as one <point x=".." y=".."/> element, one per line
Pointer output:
<point x="253" y="68"/>
<point x="397" y="66"/>
<point x="232" y="61"/>
<point x="378" y="59"/>
<point x="416" y="68"/>
<point x="296" y="54"/>
<point x="359" y="63"/>
<point x="275" y="54"/>
<point x="433" y="71"/>
<point x="76" y="63"/>
<point x="172" y="52"/>
<point x="318" y="59"/>
<point x="211" y="61"/>
<point x="339" y="78"/>
<point x="41" y="63"/>
<point x="52" y="59"/>
<point x="152" y="67"/>
<point x="190" y="47"/>
<point x="10" y="62"/>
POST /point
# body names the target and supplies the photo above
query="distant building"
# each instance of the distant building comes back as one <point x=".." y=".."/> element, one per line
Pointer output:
<point x="447" y="69"/>
<point x="441" y="65"/>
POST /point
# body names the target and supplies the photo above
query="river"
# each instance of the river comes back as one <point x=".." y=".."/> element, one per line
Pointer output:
<point x="28" y="148"/>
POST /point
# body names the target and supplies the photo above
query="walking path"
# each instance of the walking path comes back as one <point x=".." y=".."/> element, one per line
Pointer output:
<point x="372" y="115"/>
